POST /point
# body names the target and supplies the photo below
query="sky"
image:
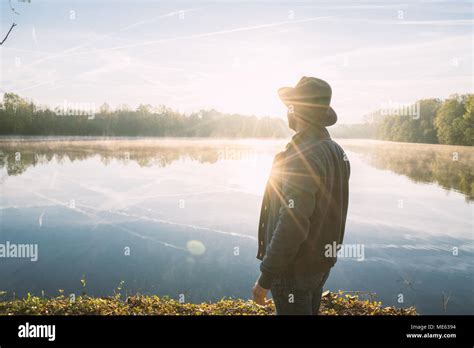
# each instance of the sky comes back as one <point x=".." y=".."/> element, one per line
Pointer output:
<point x="234" y="55"/>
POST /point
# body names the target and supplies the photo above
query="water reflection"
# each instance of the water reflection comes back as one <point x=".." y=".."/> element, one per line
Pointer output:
<point x="18" y="156"/>
<point x="173" y="217"/>
<point x="450" y="167"/>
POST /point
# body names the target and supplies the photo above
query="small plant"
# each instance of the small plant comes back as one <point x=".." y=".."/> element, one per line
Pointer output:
<point x="445" y="300"/>
<point x="119" y="288"/>
<point x="83" y="283"/>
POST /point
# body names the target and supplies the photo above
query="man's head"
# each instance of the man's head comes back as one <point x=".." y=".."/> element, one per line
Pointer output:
<point x="308" y="103"/>
<point x="296" y="117"/>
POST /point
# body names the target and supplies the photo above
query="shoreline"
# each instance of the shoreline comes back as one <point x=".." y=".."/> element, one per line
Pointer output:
<point x="331" y="304"/>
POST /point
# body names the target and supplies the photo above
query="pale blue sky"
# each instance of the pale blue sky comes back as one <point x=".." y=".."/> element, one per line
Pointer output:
<point x="233" y="55"/>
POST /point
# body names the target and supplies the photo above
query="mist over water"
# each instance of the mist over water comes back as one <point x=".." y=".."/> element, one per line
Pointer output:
<point x="187" y="212"/>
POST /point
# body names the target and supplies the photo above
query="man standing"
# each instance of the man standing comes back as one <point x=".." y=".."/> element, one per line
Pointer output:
<point x="305" y="204"/>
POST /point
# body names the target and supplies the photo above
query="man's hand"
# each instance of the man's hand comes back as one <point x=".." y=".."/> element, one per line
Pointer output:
<point x="259" y="294"/>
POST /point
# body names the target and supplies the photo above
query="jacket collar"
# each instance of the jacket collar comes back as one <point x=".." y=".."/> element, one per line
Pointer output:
<point x="301" y="139"/>
<point x="310" y="133"/>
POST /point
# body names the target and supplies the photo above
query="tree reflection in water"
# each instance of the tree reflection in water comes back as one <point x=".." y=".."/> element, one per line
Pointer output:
<point x="451" y="167"/>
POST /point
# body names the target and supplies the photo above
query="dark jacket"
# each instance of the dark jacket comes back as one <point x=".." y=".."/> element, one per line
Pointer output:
<point x="304" y="207"/>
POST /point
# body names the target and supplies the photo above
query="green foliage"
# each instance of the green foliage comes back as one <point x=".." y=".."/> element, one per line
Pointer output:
<point x="445" y="122"/>
<point x="468" y="120"/>
<point x="409" y="128"/>
<point x="332" y="304"/>
<point x="83" y="284"/>
<point x="450" y="123"/>
<point x="20" y="117"/>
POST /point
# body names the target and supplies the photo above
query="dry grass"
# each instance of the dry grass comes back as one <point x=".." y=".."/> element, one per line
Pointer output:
<point x="332" y="304"/>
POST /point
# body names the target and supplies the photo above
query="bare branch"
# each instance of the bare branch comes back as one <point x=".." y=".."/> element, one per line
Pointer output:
<point x="6" y="36"/>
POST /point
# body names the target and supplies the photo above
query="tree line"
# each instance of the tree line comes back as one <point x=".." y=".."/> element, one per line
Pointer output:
<point x="432" y="121"/>
<point x="19" y="116"/>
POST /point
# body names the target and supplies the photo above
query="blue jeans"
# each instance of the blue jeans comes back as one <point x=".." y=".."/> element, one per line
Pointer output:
<point x="298" y="294"/>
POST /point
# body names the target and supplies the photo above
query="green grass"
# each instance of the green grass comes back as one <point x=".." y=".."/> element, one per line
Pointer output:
<point x="331" y="304"/>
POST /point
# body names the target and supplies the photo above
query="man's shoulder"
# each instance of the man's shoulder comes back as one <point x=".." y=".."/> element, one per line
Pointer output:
<point x="308" y="144"/>
<point x="303" y="154"/>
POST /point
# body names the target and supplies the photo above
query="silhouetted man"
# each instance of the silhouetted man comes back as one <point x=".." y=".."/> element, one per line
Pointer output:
<point x="305" y="204"/>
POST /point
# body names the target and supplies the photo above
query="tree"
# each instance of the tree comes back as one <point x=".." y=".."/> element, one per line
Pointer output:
<point x="104" y="109"/>
<point x="449" y="121"/>
<point x="427" y="131"/>
<point x="469" y="121"/>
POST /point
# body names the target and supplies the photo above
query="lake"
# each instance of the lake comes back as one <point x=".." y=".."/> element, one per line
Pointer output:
<point x="179" y="217"/>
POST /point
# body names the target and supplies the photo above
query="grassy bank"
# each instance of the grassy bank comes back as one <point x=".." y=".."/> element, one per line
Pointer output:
<point x="332" y="304"/>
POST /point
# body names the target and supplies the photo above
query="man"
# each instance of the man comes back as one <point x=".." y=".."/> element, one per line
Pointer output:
<point x="305" y="204"/>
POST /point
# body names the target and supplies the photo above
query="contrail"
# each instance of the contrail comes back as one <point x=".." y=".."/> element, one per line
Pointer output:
<point x="92" y="216"/>
<point x="173" y="223"/>
<point x="220" y="32"/>
<point x="138" y="235"/>
<point x="40" y="220"/>
<point x="87" y="43"/>
<point x="170" y="14"/>
<point x="146" y="218"/>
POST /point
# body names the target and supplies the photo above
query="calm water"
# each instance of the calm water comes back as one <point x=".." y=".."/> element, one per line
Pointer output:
<point x="187" y="212"/>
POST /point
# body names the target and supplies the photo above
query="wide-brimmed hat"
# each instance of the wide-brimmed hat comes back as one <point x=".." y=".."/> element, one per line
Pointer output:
<point x="314" y="97"/>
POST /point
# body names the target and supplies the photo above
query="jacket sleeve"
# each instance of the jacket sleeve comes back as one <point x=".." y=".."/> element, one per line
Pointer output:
<point x="299" y="187"/>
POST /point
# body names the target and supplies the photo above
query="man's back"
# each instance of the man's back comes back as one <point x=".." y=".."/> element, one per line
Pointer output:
<point x="304" y="207"/>
<point x="328" y="220"/>
<point x="307" y="203"/>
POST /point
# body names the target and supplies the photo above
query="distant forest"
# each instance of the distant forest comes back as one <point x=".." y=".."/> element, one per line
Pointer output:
<point x="432" y="121"/>
<point x="439" y="122"/>
<point x="21" y="117"/>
